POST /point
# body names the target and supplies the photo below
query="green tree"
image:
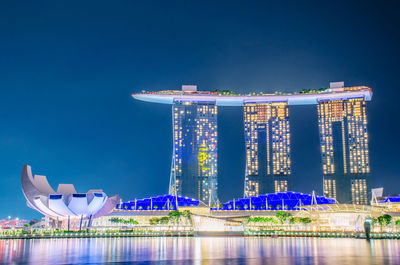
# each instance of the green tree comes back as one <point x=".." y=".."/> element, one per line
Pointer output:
<point x="153" y="221"/>
<point x="384" y="220"/>
<point x="188" y="215"/>
<point x="132" y="221"/>
<point x="397" y="224"/>
<point x="163" y="220"/>
<point x="305" y="220"/>
<point x="123" y="221"/>
<point x="282" y="216"/>
<point x="114" y="220"/>
<point x="174" y="216"/>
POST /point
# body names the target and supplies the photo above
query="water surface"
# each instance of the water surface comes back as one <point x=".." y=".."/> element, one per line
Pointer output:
<point x="200" y="250"/>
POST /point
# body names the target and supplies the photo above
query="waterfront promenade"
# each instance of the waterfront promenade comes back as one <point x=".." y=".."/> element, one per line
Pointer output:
<point x="141" y="233"/>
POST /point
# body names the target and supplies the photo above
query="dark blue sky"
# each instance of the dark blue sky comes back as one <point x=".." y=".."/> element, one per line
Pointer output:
<point x="67" y="71"/>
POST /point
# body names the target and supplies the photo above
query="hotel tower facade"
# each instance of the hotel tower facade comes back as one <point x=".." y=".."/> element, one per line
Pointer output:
<point x="344" y="148"/>
<point x="194" y="158"/>
<point x="267" y="140"/>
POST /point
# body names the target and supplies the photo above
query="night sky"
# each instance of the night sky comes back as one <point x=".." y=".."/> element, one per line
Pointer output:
<point x="67" y="71"/>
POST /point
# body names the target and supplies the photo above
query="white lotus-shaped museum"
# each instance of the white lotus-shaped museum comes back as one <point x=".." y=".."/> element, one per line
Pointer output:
<point x="66" y="202"/>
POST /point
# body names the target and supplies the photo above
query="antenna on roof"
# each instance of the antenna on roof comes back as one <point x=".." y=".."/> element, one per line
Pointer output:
<point x="313" y="199"/>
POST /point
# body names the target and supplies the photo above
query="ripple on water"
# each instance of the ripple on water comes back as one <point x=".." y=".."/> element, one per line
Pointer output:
<point x="200" y="250"/>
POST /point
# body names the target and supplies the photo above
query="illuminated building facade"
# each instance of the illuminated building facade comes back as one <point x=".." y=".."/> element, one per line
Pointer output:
<point x="267" y="140"/>
<point x="344" y="148"/>
<point x="194" y="159"/>
<point x="343" y="134"/>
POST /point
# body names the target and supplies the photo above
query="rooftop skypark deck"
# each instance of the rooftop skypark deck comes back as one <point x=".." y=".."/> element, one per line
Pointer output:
<point x="229" y="98"/>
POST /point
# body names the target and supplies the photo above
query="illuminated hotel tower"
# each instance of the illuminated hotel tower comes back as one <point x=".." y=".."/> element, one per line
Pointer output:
<point x="194" y="159"/>
<point x="344" y="148"/>
<point x="267" y="139"/>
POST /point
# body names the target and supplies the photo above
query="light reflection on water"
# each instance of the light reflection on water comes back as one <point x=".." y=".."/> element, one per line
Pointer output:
<point x="200" y="250"/>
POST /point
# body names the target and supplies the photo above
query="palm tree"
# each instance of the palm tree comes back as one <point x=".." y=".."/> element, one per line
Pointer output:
<point x="397" y="223"/>
<point x="384" y="220"/>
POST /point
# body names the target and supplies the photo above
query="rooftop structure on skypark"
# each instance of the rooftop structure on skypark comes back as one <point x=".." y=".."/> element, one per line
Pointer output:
<point x="229" y="98"/>
<point x="66" y="203"/>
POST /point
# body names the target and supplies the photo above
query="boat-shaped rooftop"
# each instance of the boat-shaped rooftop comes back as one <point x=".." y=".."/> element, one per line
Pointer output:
<point x="230" y="98"/>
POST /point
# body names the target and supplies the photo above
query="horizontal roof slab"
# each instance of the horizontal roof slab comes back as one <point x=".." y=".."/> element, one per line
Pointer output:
<point x="235" y="100"/>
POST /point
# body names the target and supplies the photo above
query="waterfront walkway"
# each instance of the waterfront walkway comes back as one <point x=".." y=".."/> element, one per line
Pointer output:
<point x="101" y="234"/>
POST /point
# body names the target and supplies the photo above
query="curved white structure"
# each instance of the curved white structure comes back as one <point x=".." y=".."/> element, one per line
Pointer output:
<point x="168" y="97"/>
<point x="66" y="203"/>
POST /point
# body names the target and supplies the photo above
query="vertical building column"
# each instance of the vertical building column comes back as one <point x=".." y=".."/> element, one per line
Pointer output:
<point x="267" y="141"/>
<point x="194" y="158"/>
<point x="207" y="152"/>
<point x="344" y="149"/>
<point x="280" y="137"/>
<point x="358" y="154"/>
